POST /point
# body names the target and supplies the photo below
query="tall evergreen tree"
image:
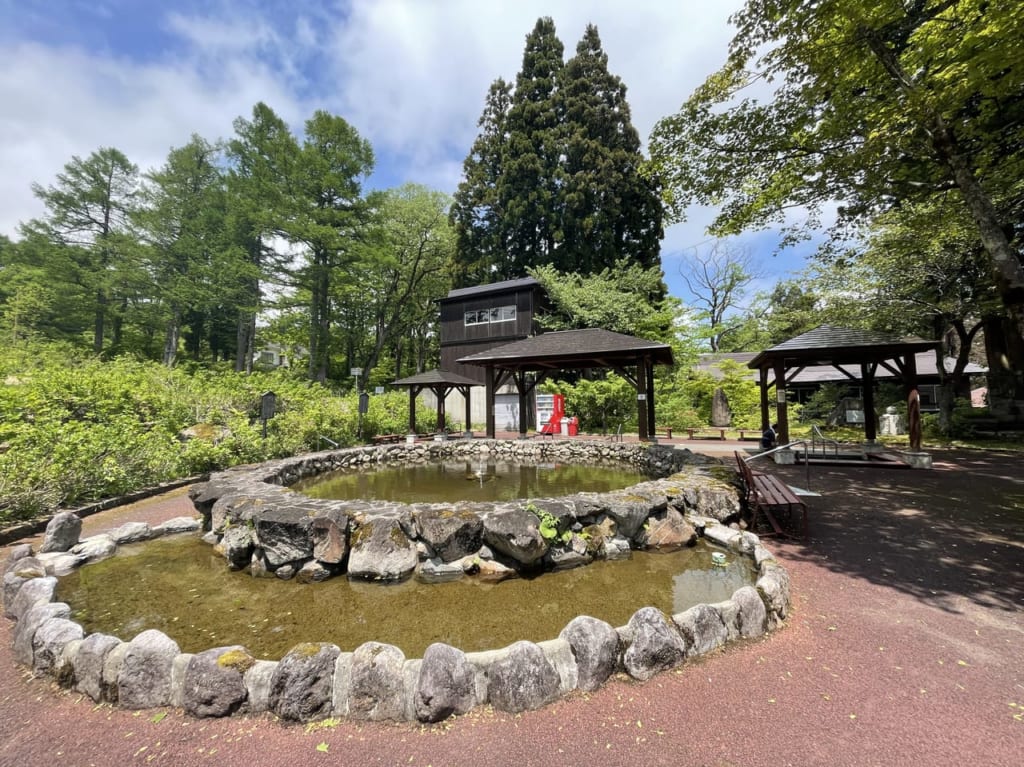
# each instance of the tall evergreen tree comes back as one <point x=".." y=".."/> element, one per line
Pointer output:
<point x="262" y="155"/>
<point x="88" y="208"/>
<point x="481" y="243"/>
<point x="528" y="186"/>
<point x="553" y="177"/>
<point x="608" y="209"/>
<point x="184" y="225"/>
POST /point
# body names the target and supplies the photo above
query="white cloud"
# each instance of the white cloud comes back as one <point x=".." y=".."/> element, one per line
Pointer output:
<point x="411" y="76"/>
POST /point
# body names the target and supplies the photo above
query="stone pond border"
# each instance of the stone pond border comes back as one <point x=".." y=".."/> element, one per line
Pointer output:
<point x="376" y="681"/>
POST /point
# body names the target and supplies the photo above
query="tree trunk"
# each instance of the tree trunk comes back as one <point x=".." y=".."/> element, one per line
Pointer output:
<point x="1004" y="350"/>
<point x="99" y="321"/>
<point x="172" y="337"/>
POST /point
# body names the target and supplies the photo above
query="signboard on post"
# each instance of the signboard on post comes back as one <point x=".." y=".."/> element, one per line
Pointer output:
<point x="268" y="409"/>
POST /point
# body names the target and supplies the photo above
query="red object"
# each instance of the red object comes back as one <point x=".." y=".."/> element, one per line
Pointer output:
<point x="574" y="426"/>
<point x="559" y="407"/>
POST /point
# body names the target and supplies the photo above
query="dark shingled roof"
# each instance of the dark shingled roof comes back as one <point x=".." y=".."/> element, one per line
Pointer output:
<point x="494" y="287"/>
<point x="592" y="347"/>
<point x="436" y="377"/>
<point x="825" y="345"/>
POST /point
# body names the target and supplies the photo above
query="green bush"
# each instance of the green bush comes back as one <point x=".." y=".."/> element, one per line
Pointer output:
<point x="75" y="429"/>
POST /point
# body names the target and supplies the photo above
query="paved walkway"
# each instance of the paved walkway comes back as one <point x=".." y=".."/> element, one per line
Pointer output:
<point x="905" y="647"/>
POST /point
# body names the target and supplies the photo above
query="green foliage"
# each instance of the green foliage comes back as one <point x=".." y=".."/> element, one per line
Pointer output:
<point x="602" y="404"/>
<point x="686" y="400"/>
<point x="80" y="429"/>
<point x="553" y="176"/>
<point x="627" y="298"/>
<point x="549" y="526"/>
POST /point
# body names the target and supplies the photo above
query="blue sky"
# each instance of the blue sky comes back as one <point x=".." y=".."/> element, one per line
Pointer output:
<point x="410" y="75"/>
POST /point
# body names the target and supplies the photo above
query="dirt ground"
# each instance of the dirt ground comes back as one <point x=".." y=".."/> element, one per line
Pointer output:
<point x="905" y="647"/>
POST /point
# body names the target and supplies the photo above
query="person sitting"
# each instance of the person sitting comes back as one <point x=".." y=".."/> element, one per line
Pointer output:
<point x="769" y="436"/>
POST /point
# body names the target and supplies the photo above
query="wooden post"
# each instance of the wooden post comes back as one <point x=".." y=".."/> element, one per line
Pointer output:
<point x="442" y="394"/>
<point x="763" y="384"/>
<point x="520" y="379"/>
<point x="781" y="405"/>
<point x="650" y="397"/>
<point x="413" y="391"/>
<point x="867" y="374"/>
<point x="468" y="431"/>
<point x="489" y="397"/>
<point x="641" y="400"/>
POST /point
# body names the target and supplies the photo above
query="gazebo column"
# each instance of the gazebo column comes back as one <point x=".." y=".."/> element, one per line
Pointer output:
<point x="520" y="378"/>
<point x="413" y="391"/>
<point x="782" y="407"/>
<point x="489" y="397"/>
<point x="867" y="375"/>
<point x="762" y="381"/>
<point x="641" y="400"/>
<point x="468" y="431"/>
<point x="651" y="425"/>
<point x="442" y="394"/>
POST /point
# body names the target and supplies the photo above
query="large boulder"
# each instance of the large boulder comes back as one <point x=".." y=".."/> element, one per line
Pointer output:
<point x="25" y="629"/>
<point x="451" y="533"/>
<point x="236" y="545"/>
<point x="703" y="628"/>
<point x="667" y="531"/>
<point x="376" y="683"/>
<point x="132" y="532"/>
<point x="657" y="644"/>
<point x="94" y="548"/>
<point x="17" y="553"/>
<point x="177" y="525"/>
<point x="50" y="640"/>
<point x="32" y="591"/>
<point x="721" y="415"/>
<point x="144" y="678"/>
<point x="284" y="535"/>
<point x="302" y="684"/>
<point x="595" y="645"/>
<point x="380" y="550"/>
<point x="515" y="532"/>
<point x="214" y="682"/>
<point x="629" y="510"/>
<point x="753" y="617"/>
<point x="89" y="661"/>
<point x="522" y="679"/>
<point x="446" y="684"/>
<point x="329" y="532"/>
<point x="61" y="532"/>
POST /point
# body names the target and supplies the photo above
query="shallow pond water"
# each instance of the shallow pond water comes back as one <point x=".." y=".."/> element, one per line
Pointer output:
<point x="469" y="480"/>
<point x="179" y="586"/>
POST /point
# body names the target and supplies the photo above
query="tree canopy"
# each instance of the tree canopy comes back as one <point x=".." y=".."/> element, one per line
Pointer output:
<point x="869" y="104"/>
<point x="553" y="177"/>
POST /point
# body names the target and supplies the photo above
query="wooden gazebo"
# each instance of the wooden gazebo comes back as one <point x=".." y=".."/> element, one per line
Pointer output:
<point x="440" y="382"/>
<point x="833" y="346"/>
<point x="631" y="357"/>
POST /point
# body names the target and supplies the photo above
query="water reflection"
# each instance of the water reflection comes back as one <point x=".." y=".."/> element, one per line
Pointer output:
<point x="179" y="587"/>
<point x="468" y="480"/>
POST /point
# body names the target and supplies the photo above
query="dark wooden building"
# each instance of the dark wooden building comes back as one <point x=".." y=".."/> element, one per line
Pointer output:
<point x="480" y="318"/>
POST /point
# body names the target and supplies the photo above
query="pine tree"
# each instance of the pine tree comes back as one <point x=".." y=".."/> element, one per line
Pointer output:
<point x="608" y="209"/>
<point x="528" y="186"/>
<point x="553" y="177"/>
<point x="476" y="215"/>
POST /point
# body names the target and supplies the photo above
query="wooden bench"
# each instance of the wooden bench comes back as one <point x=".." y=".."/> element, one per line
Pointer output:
<point x="768" y="497"/>
<point x="750" y="434"/>
<point x="706" y="432"/>
<point x="663" y="431"/>
<point x="386" y="439"/>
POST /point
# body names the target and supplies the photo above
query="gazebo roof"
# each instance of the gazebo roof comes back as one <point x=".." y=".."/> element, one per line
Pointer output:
<point x="592" y="347"/>
<point x="827" y="345"/>
<point x="436" y="377"/>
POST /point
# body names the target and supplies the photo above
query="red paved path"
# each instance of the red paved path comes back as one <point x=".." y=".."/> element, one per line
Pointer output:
<point x="905" y="647"/>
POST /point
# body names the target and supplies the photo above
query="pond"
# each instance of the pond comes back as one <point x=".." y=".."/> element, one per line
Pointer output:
<point x="469" y="480"/>
<point x="179" y="586"/>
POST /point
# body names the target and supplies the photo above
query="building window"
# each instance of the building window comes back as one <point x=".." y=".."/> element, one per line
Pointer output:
<point x="486" y="316"/>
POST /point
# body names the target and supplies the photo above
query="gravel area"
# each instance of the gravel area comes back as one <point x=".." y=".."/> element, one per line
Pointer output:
<point x="905" y="647"/>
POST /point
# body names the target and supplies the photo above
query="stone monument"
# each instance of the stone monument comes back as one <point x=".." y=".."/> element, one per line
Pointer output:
<point x="720" y="414"/>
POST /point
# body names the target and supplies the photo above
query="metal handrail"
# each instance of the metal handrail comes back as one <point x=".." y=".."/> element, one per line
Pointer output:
<point x="817" y="437"/>
<point x="787" y="446"/>
<point x="321" y="438"/>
